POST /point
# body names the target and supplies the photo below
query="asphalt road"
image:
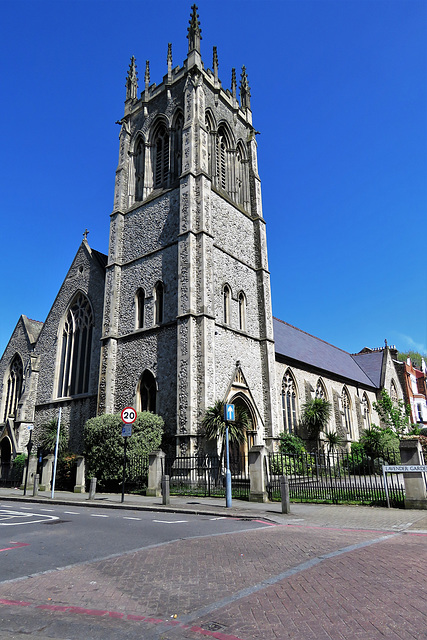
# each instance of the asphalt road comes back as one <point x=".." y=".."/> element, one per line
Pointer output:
<point x="36" y="538"/>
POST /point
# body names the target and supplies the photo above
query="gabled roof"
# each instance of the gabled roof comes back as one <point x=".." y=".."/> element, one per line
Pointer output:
<point x="33" y="328"/>
<point x="298" y="345"/>
<point x="371" y="363"/>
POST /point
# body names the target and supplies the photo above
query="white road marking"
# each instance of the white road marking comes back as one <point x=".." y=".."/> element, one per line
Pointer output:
<point x="99" y="515"/>
<point x="72" y="513"/>
<point x="219" y="518"/>
<point x="47" y="509"/>
<point x="129" y="518"/>
<point x="170" y="521"/>
<point x="16" y="515"/>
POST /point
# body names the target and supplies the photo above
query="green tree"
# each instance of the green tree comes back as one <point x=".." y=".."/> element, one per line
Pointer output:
<point x="289" y="443"/>
<point x="104" y="444"/>
<point x="415" y="356"/>
<point x="315" y="417"/>
<point x="380" y="443"/>
<point x="214" y="426"/>
<point x="393" y="415"/>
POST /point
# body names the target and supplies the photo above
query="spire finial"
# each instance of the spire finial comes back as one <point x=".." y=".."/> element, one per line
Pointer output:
<point x="85" y="234"/>
<point x="215" y="62"/>
<point x="169" y="61"/>
<point x="147" y="74"/>
<point x="132" y="81"/>
<point x="233" y="83"/>
<point x="194" y="31"/>
<point x="245" y="92"/>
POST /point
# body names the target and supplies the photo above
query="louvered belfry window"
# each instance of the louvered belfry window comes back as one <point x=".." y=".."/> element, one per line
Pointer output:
<point x="161" y="159"/>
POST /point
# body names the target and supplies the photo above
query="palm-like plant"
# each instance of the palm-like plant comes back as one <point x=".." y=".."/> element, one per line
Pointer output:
<point x="214" y="426"/>
<point x="334" y="440"/>
<point x="315" y="418"/>
<point x="48" y="433"/>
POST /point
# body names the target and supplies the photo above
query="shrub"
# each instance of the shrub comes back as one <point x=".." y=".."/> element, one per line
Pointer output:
<point x="290" y="444"/>
<point x="104" y="445"/>
<point x="19" y="463"/>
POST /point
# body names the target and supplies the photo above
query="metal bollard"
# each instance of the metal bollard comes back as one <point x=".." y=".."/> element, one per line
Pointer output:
<point x="165" y="490"/>
<point x="92" y="488"/>
<point x="284" y="493"/>
<point x="36" y="484"/>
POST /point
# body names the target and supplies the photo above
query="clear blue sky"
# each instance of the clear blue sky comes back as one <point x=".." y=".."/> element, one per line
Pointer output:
<point x="338" y="94"/>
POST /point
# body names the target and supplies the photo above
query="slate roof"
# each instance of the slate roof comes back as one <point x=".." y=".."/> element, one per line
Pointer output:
<point x="371" y="363"/>
<point x="298" y="345"/>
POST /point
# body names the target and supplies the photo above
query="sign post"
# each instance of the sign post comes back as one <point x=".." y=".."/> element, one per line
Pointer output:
<point x="55" y="464"/>
<point x="128" y="417"/>
<point x="228" y="417"/>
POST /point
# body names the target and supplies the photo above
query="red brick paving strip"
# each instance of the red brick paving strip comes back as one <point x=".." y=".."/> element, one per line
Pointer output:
<point x="355" y="595"/>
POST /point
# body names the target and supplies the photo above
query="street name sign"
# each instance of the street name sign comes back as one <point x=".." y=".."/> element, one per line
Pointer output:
<point x="405" y="468"/>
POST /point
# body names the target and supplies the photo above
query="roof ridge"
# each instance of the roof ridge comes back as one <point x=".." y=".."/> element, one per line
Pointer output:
<point x="311" y="335"/>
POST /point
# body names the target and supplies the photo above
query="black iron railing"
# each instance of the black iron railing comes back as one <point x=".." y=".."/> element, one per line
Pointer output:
<point x="335" y="477"/>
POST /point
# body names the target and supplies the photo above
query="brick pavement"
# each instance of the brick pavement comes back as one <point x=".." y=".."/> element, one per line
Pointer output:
<point x="368" y="592"/>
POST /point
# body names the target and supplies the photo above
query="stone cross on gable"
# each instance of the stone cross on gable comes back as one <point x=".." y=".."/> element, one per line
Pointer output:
<point x="85" y="233"/>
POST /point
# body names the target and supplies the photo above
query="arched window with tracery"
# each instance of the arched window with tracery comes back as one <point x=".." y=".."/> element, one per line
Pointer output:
<point x="226" y="296"/>
<point x="158" y="303"/>
<point x="346" y="407"/>
<point x="321" y="390"/>
<point x="76" y="346"/>
<point x="147" y="392"/>
<point x="242" y="311"/>
<point x="222" y="159"/>
<point x="140" y="309"/>
<point x="13" y="387"/>
<point x="139" y="160"/>
<point x="160" y="156"/>
<point x="289" y="403"/>
<point x="366" y="412"/>
<point x="177" y="146"/>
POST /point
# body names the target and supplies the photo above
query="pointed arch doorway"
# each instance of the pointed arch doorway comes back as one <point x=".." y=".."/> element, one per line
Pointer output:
<point x="239" y="450"/>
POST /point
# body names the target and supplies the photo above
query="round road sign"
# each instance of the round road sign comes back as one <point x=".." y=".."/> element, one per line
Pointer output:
<point x="128" y="415"/>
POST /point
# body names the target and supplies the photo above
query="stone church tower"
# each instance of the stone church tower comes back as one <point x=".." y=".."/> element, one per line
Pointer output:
<point x="187" y="308"/>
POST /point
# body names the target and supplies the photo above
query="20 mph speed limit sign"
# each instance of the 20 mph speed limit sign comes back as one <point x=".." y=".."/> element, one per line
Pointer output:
<point x="128" y="415"/>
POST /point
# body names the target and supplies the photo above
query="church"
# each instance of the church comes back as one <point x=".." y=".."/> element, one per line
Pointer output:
<point x="178" y="315"/>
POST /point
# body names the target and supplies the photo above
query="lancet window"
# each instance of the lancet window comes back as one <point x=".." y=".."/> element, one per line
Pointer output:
<point x="139" y="159"/>
<point x="177" y="146"/>
<point x="321" y="390"/>
<point x="289" y="403"/>
<point x="222" y="163"/>
<point x="147" y="392"/>
<point x="242" y="311"/>
<point x="140" y="308"/>
<point x="226" y="294"/>
<point x="13" y="387"/>
<point x="241" y="177"/>
<point x="76" y="347"/>
<point x="158" y="303"/>
<point x="366" y="412"/>
<point x="346" y="406"/>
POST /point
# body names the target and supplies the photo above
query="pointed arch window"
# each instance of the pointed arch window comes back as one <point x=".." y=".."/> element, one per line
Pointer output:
<point x="147" y="392"/>
<point x="222" y="159"/>
<point x="139" y="159"/>
<point x="242" y="311"/>
<point x="161" y="157"/>
<point x="289" y="403"/>
<point x="158" y="303"/>
<point x="76" y="346"/>
<point x="177" y="146"/>
<point x="346" y="406"/>
<point x="226" y="294"/>
<point x="210" y="128"/>
<point x="13" y="387"/>
<point x="140" y="308"/>
<point x="366" y="412"/>
<point x="321" y="390"/>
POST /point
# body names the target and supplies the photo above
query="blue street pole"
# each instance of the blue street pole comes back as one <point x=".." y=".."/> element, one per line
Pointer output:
<point x="227" y="471"/>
